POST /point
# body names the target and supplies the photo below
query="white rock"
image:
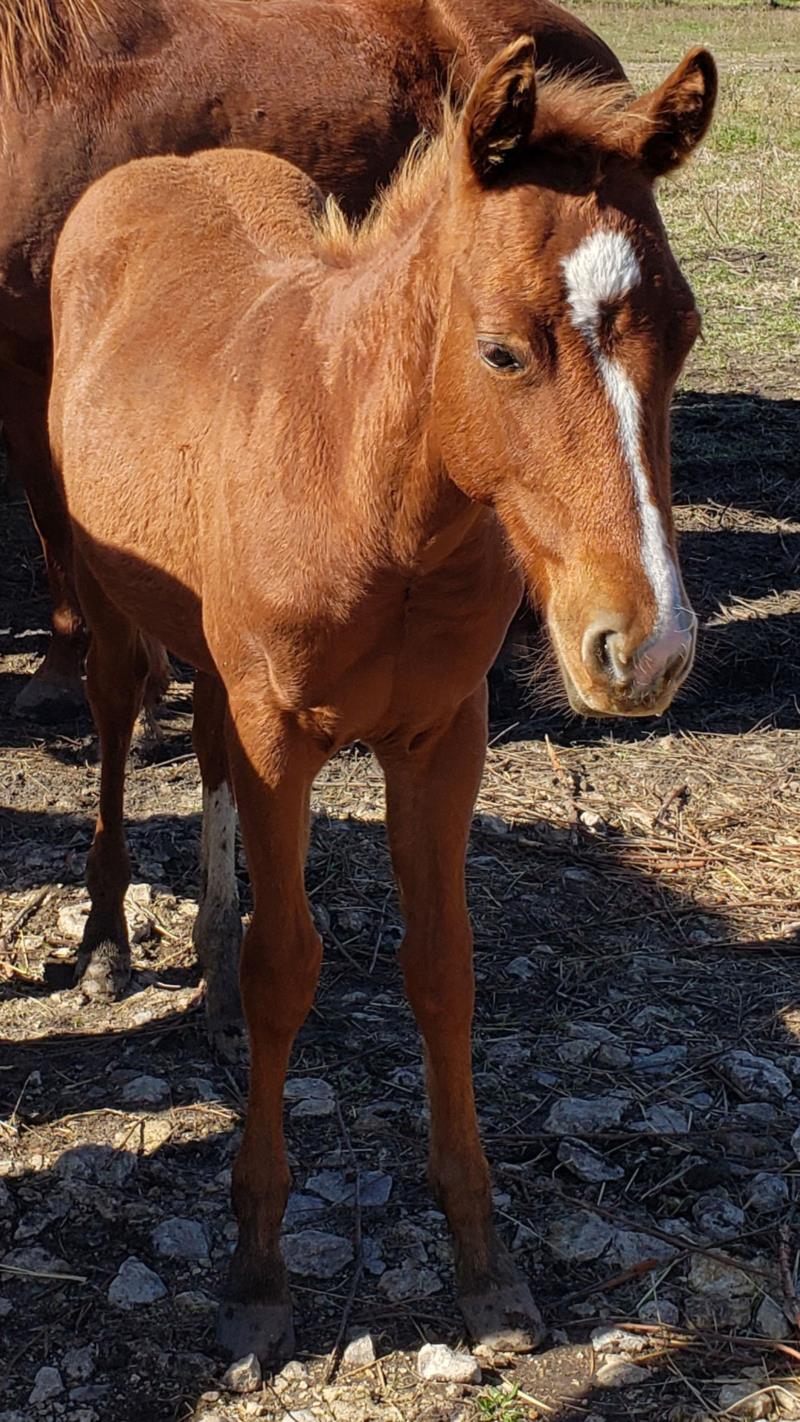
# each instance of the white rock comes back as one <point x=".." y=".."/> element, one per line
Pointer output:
<point x="244" y="1375"/>
<point x="661" y="1120"/>
<point x="630" y="1247"/>
<point x="707" y="1276"/>
<point x="194" y="1301"/>
<point x="409" y="1281"/>
<point x="293" y="1371"/>
<point x="100" y="1163"/>
<point x="202" y="1088"/>
<point x="313" y="1106"/>
<point x="658" y="1311"/>
<point x="332" y="1185"/>
<point x="758" y="1078"/>
<point x="177" y="1238"/>
<point x="135" y="1285"/>
<point x="620" y="1340"/>
<point x="717" y="1216"/>
<point x="301" y="1208"/>
<point x="718" y="1311"/>
<point x="579" y="1237"/>
<point x="575" y="1115"/>
<point x="46" y="1385"/>
<point x="306" y="1088"/>
<point x="374" y="1187"/>
<point x="745" y="1400"/>
<point x="438" y="1363"/>
<point x="146" y="1091"/>
<point x="768" y="1193"/>
<point x="586" y="1163"/>
<point x="522" y="967"/>
<point x="771" y="1321"/>
<point x="659" y="1063"/>
<point x="619" y="1373"/>
<point x="316" y="1253"/>
<point x="78" y="1364"/>
<point x="6" y="1306"/>
<point x="303" y="1414"/>
<point x="360" y="1351"/>
<point x="34" y="1260"/>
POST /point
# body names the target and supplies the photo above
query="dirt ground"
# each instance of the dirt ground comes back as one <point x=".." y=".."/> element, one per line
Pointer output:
<point x="636" y="897"/>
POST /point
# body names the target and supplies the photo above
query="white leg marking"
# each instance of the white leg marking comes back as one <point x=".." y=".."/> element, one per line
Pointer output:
<point x="218" y="851"/>
<point x="602" y="271"/>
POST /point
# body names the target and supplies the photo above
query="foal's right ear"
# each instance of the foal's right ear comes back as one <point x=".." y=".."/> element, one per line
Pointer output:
<point x="499" y="113"/>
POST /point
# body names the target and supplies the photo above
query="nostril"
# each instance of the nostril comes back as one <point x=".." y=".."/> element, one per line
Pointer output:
<point x="601" y="652"/>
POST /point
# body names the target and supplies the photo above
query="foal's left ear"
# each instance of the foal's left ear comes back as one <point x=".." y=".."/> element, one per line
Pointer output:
<point x="677" y="114"/>
<point x="499" y="113"/>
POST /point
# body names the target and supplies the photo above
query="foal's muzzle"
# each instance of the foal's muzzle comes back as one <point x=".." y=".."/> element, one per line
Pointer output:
<point x="620" y="676"/>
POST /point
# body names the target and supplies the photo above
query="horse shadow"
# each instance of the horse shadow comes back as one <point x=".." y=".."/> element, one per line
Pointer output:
<point x="91" y="1176"/>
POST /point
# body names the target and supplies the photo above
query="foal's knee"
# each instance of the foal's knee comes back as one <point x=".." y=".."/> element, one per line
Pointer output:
<point x="279" y="975"/>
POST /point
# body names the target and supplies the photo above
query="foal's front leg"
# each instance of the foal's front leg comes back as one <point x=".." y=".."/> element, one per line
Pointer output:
<point x="430" y="794"/>
<point x="273" y="767"/>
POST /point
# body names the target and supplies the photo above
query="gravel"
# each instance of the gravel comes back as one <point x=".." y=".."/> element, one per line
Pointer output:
<point x="135" y="1285"/>
<point x="438" y="1363"/>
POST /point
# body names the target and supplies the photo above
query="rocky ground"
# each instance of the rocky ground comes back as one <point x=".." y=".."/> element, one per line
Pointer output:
<point x="636" y="897"/>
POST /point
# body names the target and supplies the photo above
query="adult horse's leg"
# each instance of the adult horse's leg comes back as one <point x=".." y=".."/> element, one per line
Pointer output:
<point x="430" y="794"/>
<point x="116" y="672"/>
<point x="55" y="689"/>
<point x="217" y="931"/>
<point x="272" y="769"/>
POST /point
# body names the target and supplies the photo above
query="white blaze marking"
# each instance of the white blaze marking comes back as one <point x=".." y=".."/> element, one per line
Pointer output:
<point x="600" y="272"/>
<point x="218" y="849"/>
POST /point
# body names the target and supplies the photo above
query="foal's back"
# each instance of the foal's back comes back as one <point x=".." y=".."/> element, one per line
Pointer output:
<point x="184" y="339"/>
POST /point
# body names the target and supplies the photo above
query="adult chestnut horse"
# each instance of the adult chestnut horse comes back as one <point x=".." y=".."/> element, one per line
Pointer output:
<point x="339" y="87"/>
<point x="302" y="458"/>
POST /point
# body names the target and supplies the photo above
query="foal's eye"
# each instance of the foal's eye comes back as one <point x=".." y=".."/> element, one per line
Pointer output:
<point x="498" y="357"/>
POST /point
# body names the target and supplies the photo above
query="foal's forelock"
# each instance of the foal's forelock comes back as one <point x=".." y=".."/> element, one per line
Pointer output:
<point x="599" y="274"/>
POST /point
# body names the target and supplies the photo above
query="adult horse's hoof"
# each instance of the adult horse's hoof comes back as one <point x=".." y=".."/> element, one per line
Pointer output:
<point x="504" y="1319"/>
<point x="103" y="974"/>
<point x="264" y="1329"/>
<point x="50" y="698"/>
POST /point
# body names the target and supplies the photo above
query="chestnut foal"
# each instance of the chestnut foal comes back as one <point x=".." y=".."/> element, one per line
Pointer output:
<point x="339" y="87"/>
<point x="317" y="464"/>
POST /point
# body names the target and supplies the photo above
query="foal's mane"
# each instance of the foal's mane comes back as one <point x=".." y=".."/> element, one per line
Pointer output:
<point x="38" y="36"/>
<point x="574" y="114"/>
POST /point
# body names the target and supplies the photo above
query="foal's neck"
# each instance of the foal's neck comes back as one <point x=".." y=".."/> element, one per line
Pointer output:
<point x="385" y="311"/>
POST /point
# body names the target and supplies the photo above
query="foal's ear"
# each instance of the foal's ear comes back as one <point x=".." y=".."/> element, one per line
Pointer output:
<point x="677" y="114"/>
<point x="499" y="113"/>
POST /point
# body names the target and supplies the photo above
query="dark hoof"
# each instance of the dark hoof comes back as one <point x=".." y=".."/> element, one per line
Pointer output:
<point x="103" y="975"/>
<point x="49" y="699"/>
<point x="264" y="1329"/>
<point x="504" y="1319"/>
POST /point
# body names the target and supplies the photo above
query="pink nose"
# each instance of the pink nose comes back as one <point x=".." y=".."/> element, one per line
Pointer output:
<point x="664" y="658"/>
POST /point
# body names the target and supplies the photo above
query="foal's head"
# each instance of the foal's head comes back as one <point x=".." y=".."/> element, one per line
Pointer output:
<point x="567" y="324"/>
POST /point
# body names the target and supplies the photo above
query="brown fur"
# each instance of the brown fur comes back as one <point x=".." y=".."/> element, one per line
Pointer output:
<point x="339" y="87"/>
<point x="289" y="453"/>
